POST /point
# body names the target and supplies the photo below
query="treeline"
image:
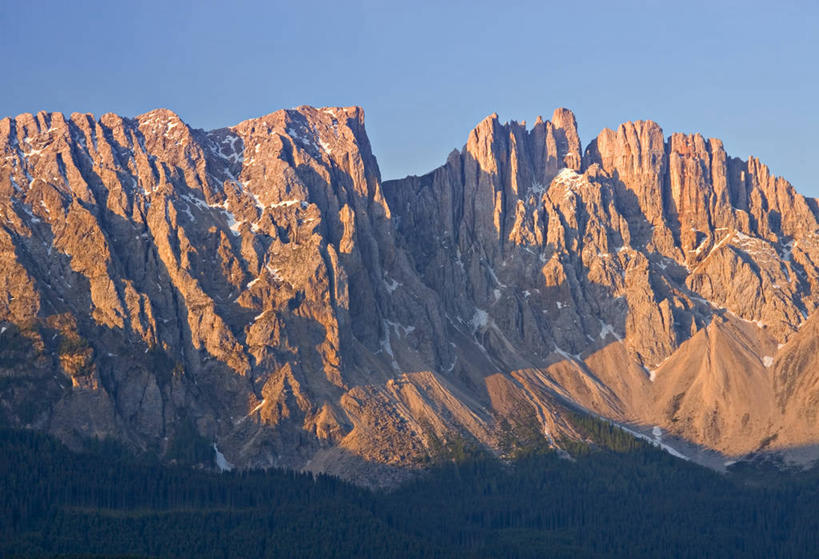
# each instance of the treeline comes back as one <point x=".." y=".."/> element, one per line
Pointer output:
<point x="615" y="497"/>
<point x="109" y="501"/>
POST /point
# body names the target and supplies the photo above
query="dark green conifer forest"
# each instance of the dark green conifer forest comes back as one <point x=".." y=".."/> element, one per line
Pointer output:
<point x="613" y="497"/>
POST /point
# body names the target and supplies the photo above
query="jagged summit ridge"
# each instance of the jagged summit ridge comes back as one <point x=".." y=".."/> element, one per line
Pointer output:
<point x="261" y="284"/>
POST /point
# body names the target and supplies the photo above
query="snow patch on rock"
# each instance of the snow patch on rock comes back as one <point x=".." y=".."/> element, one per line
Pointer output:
<point x="221" y="461"/>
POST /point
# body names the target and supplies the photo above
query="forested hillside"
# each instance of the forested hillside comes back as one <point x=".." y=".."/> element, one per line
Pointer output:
<point x="617" y="497"/>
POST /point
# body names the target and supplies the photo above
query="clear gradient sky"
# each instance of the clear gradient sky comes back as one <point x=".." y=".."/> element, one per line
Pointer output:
<point x="427" y="72"/>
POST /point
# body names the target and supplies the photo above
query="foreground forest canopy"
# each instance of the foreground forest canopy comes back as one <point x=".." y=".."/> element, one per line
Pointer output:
<point x="616" y="497"/>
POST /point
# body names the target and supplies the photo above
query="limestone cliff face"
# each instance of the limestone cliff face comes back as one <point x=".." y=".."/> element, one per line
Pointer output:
<point x="260" y="283"/>
<point x="667" y="271"/>
<point x="240" y="278"/>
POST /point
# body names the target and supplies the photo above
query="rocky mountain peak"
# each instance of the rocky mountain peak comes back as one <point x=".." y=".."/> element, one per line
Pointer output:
<point x="261" y="284"/>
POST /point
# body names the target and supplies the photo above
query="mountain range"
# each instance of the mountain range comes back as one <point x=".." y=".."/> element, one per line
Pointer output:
<point x="260" y="290"/>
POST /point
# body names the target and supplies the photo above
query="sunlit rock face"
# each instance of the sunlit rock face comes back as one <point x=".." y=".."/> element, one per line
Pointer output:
<point x="260" y="284"/>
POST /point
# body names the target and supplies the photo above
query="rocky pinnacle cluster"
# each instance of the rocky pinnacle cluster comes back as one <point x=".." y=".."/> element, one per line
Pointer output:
<point x="261" y="287"/>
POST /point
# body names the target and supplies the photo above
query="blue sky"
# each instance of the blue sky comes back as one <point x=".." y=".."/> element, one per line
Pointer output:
<point x="427" y="72"/>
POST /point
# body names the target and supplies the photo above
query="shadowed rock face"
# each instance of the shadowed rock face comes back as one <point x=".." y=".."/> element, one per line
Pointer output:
<point x="260" y="283"/>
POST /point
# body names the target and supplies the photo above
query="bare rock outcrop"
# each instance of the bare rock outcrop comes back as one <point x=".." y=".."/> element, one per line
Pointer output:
<point x="260" y="284"/>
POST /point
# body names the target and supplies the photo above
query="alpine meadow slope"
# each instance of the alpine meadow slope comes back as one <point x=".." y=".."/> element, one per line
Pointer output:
<point x="258" y="290"/>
